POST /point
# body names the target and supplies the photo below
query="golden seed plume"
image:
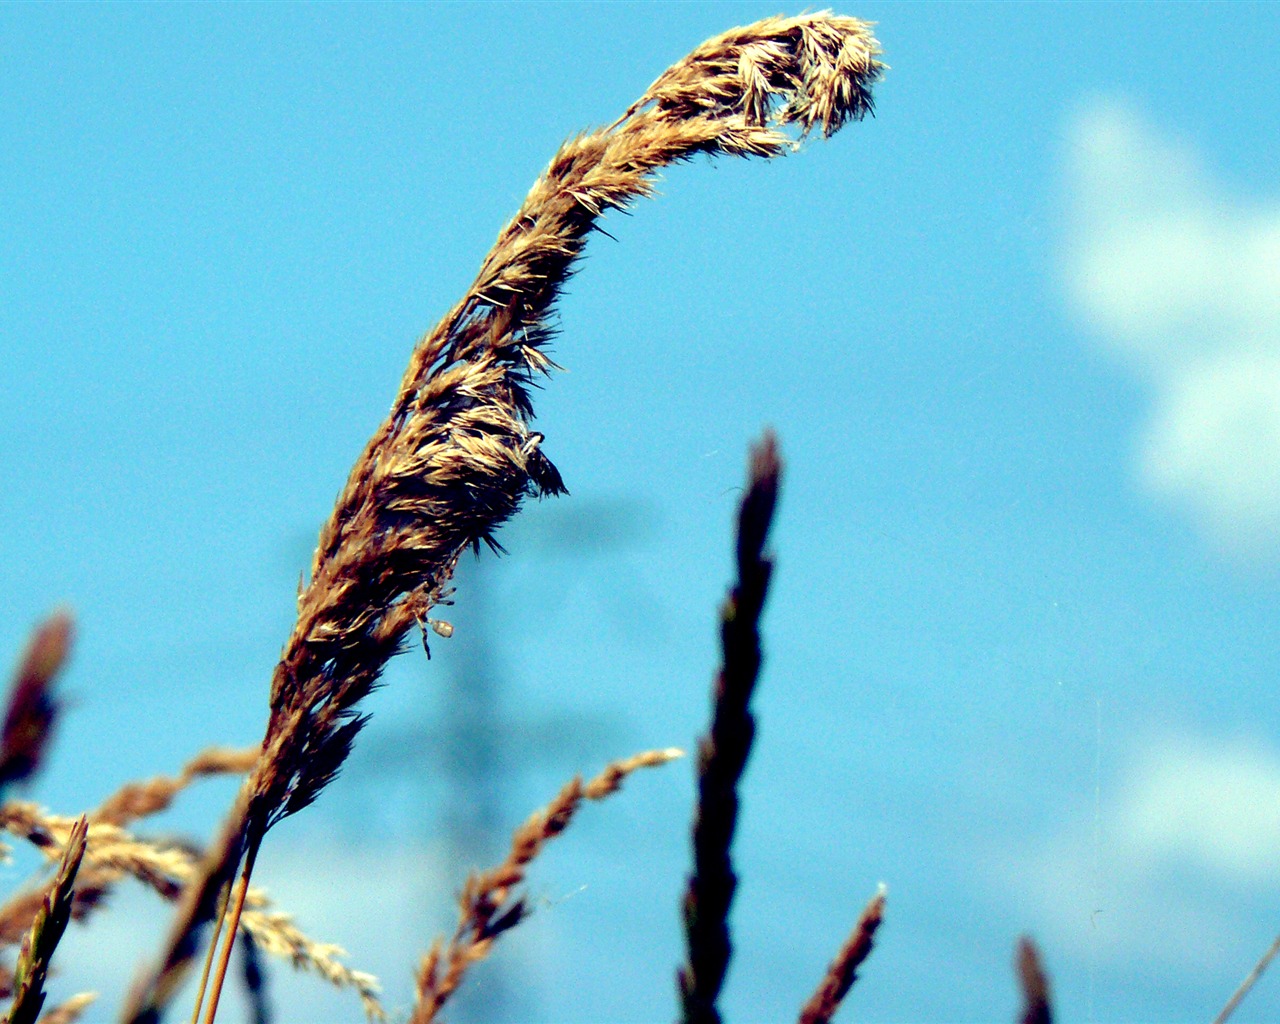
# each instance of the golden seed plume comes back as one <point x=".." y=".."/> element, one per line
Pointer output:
<point x="457" y="456"/>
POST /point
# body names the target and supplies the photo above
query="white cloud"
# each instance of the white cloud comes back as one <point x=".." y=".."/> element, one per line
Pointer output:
<point x="1184" y="286"/>
<point x="1214" y="808"/>
<point x="1161" y="866"/>
<point x="1214" y="440"/>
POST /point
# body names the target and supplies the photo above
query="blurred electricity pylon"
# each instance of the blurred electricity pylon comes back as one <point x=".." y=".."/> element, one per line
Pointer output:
<point x="478" y="748"/>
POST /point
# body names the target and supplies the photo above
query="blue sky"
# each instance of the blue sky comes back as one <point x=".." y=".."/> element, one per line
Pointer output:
<point x="1019" y="338"/>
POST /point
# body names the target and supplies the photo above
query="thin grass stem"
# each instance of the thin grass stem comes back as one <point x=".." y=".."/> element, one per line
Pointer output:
<point x="1250" y="980"/>
<point x="233" y="927"/>
<point x="209" y="955"/>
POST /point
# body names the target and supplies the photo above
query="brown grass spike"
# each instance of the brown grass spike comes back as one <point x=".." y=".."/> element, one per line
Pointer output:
<point x="843" y="971"/>
<point x="457" y="456"/>
<point x="486" y="909"/>
<point x="722" y="754"/>
<point x="46" y="932"/>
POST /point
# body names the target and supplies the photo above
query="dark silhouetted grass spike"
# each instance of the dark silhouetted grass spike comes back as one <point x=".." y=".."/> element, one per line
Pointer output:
<point x="30" y="714"/>
<point x="722" y="754"/>
<point x="1036" y="1008"/>
<point x="253" y="971"/>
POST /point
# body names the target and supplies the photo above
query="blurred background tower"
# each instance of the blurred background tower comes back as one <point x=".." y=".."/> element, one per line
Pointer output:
<point x="463" y="764"/>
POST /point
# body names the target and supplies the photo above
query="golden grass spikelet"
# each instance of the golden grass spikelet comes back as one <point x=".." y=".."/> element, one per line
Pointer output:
<point x="819" y="66"/>
<point x="113" y="853"/>
<point x="142" y="799"/>
<point x="486" y="909"/>
<point x="276" y="933"/>
<point x="610" y="779"/>
<point x="69" y="1012"/>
